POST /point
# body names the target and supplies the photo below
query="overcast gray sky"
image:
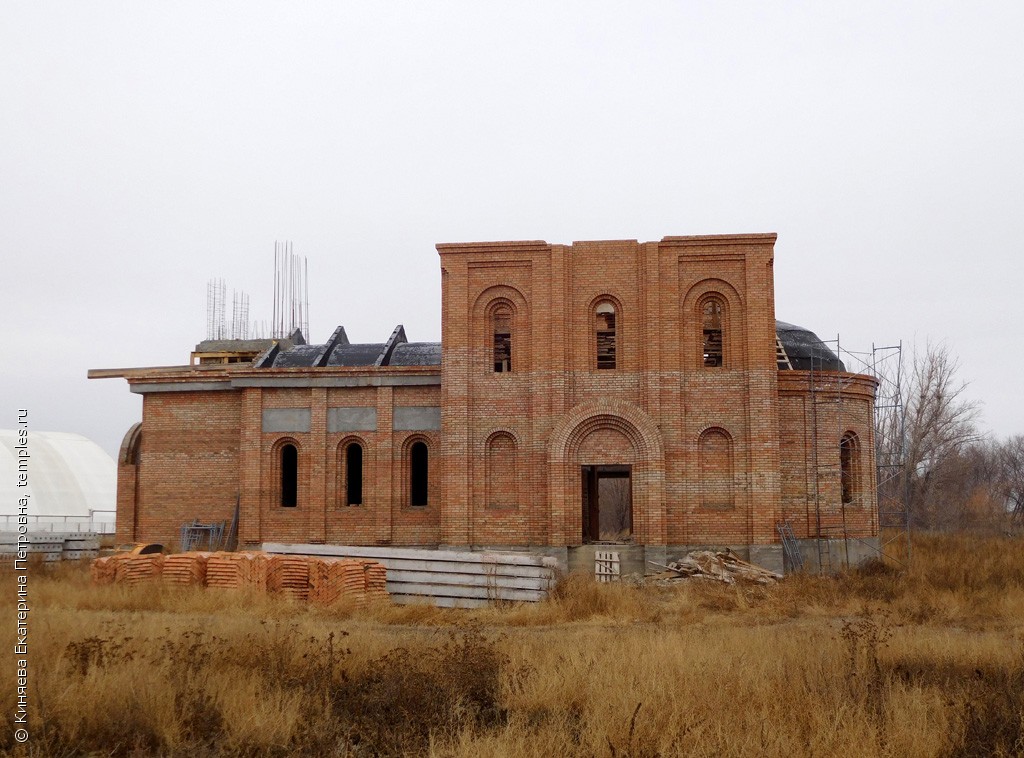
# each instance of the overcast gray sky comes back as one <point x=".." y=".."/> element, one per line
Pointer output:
<point x="146" y="148"/>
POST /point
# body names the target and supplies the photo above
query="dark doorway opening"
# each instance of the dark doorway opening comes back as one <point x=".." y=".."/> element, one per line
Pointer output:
<point x="418" y="476"/>
<point x="607" y="504"/>
<point x="354" y="474"/>
<point x="289" y="476"/>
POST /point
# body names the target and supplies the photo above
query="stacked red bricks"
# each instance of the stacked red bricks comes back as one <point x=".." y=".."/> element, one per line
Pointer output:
<point x="104" y="570"/>
<point x="331" y="579"/>
<point x="237" y="570"/>
<point x="138" y="568"/>
<point x="323" y="581"/>
<point x="375" y="576"/>
<point x="185" y="569"/>
<point x="288" y="575"/>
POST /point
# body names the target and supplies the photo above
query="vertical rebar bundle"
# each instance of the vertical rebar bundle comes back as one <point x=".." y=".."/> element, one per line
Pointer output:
<point x="239" y="315"/>
<point x="215" y="326"/>
<point x="291" y="292"/>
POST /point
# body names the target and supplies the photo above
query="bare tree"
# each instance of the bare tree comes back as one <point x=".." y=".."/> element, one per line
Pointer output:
<point x="940" y="424"/>
<point x="965" y="489"/>
<point x="1011" y="475"/>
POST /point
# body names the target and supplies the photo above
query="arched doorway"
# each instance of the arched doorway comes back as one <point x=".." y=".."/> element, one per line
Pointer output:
<point x="607" y="468"/>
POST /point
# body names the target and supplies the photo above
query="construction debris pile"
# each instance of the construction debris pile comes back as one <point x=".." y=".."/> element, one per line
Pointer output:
<point x="722" y="566"/>
<point x="319" y="580"/>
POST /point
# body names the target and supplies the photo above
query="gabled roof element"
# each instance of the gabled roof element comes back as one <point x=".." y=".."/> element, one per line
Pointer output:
<point x="397" y="338"/>
<point x="338" y="338"/>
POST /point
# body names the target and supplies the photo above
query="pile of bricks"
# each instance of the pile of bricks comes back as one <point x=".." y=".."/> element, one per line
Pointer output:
<point x="376" y="580"/>
<point x="104" y="570"/>
<point x="289" y="575"/>
<point x="319" y="580"/>
<point x="138" y="568"/>
<point x="186" y="569"/>
<point x="233" y="571"/>
<point x="331" y="579"/>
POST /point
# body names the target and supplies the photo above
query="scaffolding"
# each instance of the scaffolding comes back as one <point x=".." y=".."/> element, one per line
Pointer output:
<point x="887" y="486"/>
<point x="891" y="447"/>
<point x="198" y="536"/>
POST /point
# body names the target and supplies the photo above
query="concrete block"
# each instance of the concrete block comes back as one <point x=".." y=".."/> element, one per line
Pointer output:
<point x="286" y="420"/>
<point x="768" y="557"/>
<point x="351" y="420"/>
<point x="417" y="418"/>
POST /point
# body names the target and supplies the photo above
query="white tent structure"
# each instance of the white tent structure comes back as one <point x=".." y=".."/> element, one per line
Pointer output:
<point x="72" y="483"/>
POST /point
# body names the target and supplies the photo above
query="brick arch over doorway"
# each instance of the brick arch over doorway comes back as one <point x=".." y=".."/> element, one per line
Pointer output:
<point x="568" y="444"/>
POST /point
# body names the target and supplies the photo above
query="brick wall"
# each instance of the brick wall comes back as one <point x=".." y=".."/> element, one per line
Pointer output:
<point x="816" y="412"/>
<point x="648" y="412"/>
<point x="715" y="454"/>
<point x="188" y="462"/>
<point x="202" y="451"/>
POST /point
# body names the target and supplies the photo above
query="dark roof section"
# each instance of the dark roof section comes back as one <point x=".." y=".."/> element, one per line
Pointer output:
<point x="362" y="354"/>
<point x="805" y="350"/>
<point x="296" y="356"/>
<point x="417" y="354"/>
<point x="338" y="352"/>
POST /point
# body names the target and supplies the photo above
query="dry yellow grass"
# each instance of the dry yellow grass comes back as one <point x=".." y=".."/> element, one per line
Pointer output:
<point x="926" y="659"/>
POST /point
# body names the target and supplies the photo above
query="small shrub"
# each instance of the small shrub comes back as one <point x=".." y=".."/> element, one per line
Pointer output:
<point x="402" y="699"/>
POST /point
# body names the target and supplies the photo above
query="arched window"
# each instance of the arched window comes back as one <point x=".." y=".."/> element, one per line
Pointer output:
<point x="604" y="332"/>
<point x="716" y="474"/>
<point x="502" y="490"/>
<point x="849" y="465"/>
<point x="353" y="474"/>
<point x="418" y="473"/>
<point x="711" y="320"/>
<point x="502" y="330"/>
<point x="289" y="475"/>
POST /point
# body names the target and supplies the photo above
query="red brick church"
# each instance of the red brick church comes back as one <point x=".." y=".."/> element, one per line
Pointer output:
<point x="640" y="395"/>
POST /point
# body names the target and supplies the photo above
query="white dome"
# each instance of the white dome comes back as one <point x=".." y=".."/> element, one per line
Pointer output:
<point x="68" y="475"/>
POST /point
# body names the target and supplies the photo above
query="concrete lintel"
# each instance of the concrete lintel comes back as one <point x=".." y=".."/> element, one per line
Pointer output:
<point x="142" y="389"/>
<point x="286" y="420"/>
<point x="417" y="418"/>
<point x="351" y="419"/>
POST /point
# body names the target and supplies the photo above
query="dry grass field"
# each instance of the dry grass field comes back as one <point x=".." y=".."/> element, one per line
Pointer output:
<point x="925" y="659"/>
